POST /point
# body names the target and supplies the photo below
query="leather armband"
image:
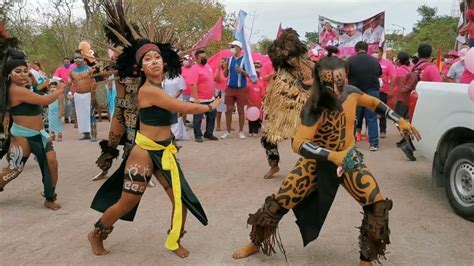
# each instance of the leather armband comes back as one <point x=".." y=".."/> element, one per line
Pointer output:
<point x="312" y="151"/>
<point x="383" y="109"/>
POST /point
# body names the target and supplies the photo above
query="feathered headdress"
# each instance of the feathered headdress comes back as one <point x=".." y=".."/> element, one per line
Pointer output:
<point x="121" y="32"/>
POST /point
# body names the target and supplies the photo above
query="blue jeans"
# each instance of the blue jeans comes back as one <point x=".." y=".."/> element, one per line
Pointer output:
<point x="370" y="119"/>
<point x="470" y="42"/>
<point x="210" y="123"/>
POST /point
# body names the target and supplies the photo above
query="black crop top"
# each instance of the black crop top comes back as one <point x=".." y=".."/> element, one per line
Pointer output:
<point x="156" y="116"/>
<point x="26" y="109"/>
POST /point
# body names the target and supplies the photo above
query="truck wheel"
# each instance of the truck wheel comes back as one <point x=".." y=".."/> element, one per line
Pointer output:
<point x="459" y="180"/>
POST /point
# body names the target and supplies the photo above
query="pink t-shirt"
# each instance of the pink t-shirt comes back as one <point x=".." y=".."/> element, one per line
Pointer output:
<point x="186" y="73"/>
<point x="466" y="77"/>
<point x="203" y="77"/>
<point x="256" y="92"/>
<point x="267" y="69"/>
<point x="388" y="74"/>
<point x="63" y="72"/>
<point x="222" y="84"/>
<point x="401" y="73"/>
<point x="430" y="73"/>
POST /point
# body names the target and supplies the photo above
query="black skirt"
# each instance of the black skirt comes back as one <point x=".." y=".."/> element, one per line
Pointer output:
<point x="110" y="192"/>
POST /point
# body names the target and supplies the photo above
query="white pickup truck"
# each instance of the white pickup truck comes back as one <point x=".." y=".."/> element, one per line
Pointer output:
<point x="444" y="116"/>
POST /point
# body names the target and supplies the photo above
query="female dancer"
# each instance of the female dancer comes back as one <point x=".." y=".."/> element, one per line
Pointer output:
<point x="153" y="153"/>
<point x="26" y="132"/>
<point x="324" y="139"/>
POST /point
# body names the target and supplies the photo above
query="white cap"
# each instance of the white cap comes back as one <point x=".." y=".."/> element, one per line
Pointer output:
<point x="236" y="43"/>
<point x="55" y="79"/>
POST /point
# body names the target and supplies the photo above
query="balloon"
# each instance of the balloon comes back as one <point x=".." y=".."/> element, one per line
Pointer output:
<point x="470" y="91"/>
<point x="252" y="113"/>
<point x="469" y="60"/>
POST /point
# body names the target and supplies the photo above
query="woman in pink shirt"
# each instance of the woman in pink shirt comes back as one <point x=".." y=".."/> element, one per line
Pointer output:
<point x="388" y="78"/>
<point x="400" y="92"/>
<point x="328" y="37"/>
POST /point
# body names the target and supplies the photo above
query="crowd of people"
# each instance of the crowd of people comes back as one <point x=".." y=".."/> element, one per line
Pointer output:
<point x="81" y="104"/>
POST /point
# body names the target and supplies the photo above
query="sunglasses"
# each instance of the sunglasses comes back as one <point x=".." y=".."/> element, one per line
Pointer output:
<point x="78" y="58"/>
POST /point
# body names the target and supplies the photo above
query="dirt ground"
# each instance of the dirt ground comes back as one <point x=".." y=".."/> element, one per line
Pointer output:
<point x="227" y="176"/>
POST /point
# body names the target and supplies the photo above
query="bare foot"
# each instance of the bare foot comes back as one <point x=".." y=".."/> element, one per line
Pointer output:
<point x="52" y="205"/>
<point x="100" y="176"/>
<point x="181" y="252"/>
<point x="97" y="244"/>
<point x="270" y="174"/>
<point x="151" y="184"/>
<point x="246" y="251"/>
<point x="365" y="263"/>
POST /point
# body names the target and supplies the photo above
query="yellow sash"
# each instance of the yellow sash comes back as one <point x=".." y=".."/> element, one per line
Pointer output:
<point x="168" y="162"/>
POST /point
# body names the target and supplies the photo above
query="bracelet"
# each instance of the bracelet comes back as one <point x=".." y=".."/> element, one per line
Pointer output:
<point x="210" y="107"/>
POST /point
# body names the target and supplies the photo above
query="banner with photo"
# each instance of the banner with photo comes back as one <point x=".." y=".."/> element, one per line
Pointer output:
<point x="345" y="35"/>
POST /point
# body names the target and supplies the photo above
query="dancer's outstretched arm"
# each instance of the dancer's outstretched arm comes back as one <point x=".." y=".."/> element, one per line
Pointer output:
<point x="379" y="107"/>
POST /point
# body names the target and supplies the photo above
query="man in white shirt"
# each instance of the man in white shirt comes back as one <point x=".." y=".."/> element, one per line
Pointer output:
<point x="456" y="70"/>
<point x="351" y="36"/>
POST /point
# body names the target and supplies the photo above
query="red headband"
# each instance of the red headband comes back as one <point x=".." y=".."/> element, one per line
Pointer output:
<point x="145" y="49"/>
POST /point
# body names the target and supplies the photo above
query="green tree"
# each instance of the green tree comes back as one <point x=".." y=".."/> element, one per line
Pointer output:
<point x="263" y="45"/>
<point x="312" y="37"/>
<point x="428" y="14"/>
<point x="49" y="33"/>
<point x="438" y="31"/>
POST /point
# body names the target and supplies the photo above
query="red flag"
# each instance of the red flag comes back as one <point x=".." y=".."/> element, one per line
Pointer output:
<point x="214" y="34"/>
<point x="279" y="31"/>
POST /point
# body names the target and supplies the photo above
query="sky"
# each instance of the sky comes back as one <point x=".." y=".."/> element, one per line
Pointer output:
<point x="302" y="15"/>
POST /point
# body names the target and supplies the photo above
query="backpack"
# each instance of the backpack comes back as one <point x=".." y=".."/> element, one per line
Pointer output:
<point x="412" y="78"/>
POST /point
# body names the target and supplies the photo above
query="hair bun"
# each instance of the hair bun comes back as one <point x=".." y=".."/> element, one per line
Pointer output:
<point x="332" y="50"/>
<point x="14" y="54"/>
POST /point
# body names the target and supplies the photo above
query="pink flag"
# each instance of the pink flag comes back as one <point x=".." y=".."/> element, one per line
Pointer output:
<point x="279" y="31"/>
<point x="214" y="34"/>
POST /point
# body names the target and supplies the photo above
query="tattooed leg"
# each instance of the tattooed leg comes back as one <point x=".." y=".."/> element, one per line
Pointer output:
<point x="17" y="156"/>
<point x="137" y="173"/>
<point x="297" y="185"/>
<point x="374" y="231"/>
